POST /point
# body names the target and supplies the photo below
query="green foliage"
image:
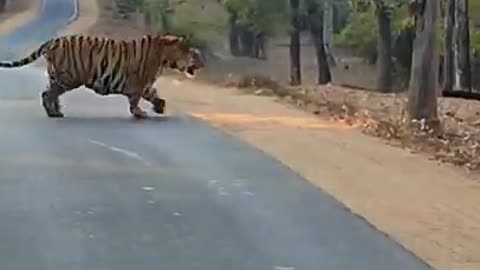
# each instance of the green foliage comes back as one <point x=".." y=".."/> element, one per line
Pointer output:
<point x="360" y="35"/>
<point x="130" y="4"/>
<point x="259" y="16"/>
<point x="204" y="25"/>
<point x="474" y="11"/>
<point x="159" y="11"/>
<point x="185" y="18"/>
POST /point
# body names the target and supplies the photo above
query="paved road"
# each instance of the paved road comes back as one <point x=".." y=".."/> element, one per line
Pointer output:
<point x="54" y="14"/>
<point x="100" y="191"/>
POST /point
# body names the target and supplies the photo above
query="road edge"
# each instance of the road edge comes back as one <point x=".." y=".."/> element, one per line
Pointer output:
<point x="20" y="18"/>
<point x="87" y="13"/>
<point x="75" y="14"/>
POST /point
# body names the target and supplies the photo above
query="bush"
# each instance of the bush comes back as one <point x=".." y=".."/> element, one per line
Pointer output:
<point x="128" y="5"/>
<point x="360" y="35"/>
<point x="190" y="19"/>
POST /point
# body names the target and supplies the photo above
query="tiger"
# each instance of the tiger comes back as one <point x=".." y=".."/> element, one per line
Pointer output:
<point x="111" y="67"/>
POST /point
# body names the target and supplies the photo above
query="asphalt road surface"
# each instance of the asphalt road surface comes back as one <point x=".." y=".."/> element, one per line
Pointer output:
<point x="98" y="190"/>
<point x="54" y="14"/>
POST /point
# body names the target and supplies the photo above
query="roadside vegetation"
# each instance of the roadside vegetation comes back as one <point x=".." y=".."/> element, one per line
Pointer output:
<point x="422" y="54"/>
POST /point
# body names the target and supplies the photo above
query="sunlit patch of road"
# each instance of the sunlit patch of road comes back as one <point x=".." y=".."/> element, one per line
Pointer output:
<point x="245" y="119"/>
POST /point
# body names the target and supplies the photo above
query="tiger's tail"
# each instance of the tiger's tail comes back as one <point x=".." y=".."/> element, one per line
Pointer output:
<point x="27" y="60"/>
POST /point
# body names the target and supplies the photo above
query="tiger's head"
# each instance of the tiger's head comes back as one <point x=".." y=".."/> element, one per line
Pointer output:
<point x="180" y="56"/>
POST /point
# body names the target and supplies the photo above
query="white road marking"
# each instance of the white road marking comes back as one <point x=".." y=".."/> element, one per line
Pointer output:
<point x="212" y="182"/>
<point x="284" y="268"/>
<point x="148" y="188"/>
<point x="223" y="193"/>
<point x="238" y="183"/>
<point x="125" y="152"/>
<point x="248" y="193"/>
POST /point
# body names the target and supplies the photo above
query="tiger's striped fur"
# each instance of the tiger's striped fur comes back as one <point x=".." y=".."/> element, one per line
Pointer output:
<point x="107" y="66"/>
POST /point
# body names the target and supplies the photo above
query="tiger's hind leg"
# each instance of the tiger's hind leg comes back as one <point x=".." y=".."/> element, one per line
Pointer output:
<point x="51" y="102"/>
<point x="150" y="94"/>
<point x="59" y="83"/>
<point x="135" y="110"/>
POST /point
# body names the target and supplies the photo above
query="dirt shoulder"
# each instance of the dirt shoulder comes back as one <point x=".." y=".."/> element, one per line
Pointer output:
<point x="431" y="209"/>
<point x="17" y="13"/>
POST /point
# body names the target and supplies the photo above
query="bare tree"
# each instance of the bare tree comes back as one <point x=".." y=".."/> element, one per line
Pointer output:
<point x="457" y="67"/>
<point x="295" y="64"/>
<point x="3" y="5"/>
<point x="233" y="36"/>
<point x="422" y="98"/>
<point x="328" y="30"/>
<point x="384" y="46"/>
<point x="316" y="24"/>
<point x="462" y="47"/>
<point x="448" y="67"/>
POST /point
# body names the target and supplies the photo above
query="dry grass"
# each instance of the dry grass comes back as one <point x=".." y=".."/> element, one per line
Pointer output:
<point x="456" y="142"/>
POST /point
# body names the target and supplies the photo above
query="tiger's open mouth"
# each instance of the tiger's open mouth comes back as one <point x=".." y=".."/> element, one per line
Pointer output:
<point x="189" y="71"/>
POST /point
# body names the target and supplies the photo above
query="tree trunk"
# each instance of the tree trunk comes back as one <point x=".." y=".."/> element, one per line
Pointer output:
<point x="260" y="46"/>
<point x="316" y="26"/>
<point x="324" y="76"/>
<point x="3" y="5"/>
<point x="295" y="64"/>
<point x="243" y="40"/>
<point x="327" y="22"/>
<point x="448" y="63"/>
<point x="328" y="31"/>
<point x="403" y="48"/>
<point x="384" y="47"/>
<point x="247" y="42"/>
<point x="422" y="98"/>
<point x="462" y="69"/>
<point x="233" y="35"/>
